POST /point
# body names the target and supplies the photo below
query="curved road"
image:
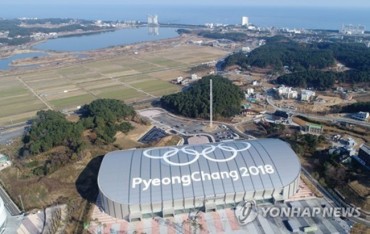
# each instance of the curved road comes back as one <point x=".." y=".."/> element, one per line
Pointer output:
<point x="233" y="127"/>
<point x="333" y="198"/>
<point x="319" y="117"/>
<point x="8" y="203"/>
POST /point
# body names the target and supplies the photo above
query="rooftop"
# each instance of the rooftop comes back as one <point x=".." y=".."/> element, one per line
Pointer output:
<point x="365" y="148"/>
<point x="143" y="176"/>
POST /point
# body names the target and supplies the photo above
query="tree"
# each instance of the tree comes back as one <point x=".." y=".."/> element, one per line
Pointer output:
<point x="50" y="128"/>
<point x="110" y="110"/>
<point x="107" y="116"/>
<point x="194" y="102"/>
<point x="284" y="52"/>
<point x="305" y="62"/>
<point x="357" y="107"/>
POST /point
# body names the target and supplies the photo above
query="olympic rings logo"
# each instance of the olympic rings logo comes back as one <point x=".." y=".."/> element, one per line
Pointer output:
<point x="172" y="151"/>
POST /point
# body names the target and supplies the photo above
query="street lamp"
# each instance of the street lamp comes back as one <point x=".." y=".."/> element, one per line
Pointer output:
<point x="20" y="198"/>
<point x="210" y="103"/>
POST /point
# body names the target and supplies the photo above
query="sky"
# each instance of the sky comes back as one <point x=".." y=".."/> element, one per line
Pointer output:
<point x="297" y="3"/>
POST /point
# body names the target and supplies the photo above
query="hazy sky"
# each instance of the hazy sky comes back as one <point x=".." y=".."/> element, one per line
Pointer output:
<point x="328" y="3"/>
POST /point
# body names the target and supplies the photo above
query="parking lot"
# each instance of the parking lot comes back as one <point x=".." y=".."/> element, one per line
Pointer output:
<point x="173" y="124"/>
<point x="187" y="127"/>
<point x="180" y="125"/>
<point x="224" y="133"/>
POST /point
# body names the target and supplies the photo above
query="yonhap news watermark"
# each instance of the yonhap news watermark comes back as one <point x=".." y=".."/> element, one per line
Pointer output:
<point x="247" y="211"/>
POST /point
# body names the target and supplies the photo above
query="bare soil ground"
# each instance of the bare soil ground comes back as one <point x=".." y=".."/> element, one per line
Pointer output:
<point x="365" y="97"/>
<point x="131" y="140"/>
<point x="73" y="184"/>
<point x="168" y="141"/>
<point x="131" y="73"/>
<point x="322" y="104"/>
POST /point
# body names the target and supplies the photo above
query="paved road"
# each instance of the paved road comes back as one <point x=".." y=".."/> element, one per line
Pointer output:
<point x="333" y="199"/>
<point x="12" y="126"/>
<point x="332" y="119"/>
<point x="184" y="126"/>
<point x="8" y="135"/>
<point x="34" y="93"/>
<point x="319" y="117"/>
<point x="114" y="79"/>
<point x="180" y="118"/>
<point x="8" y="203"/>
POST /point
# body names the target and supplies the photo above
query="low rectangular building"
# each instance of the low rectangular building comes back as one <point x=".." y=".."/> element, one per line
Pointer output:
<point x="315" y="129"/>
<point x="364" y="154"/>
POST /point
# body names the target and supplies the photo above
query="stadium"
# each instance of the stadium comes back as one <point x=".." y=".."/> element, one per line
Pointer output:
<point x="140" y="183"/>
<point x="2" y="216"/>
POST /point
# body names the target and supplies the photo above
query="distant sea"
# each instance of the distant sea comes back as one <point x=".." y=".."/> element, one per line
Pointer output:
<point x="291" y="17"/>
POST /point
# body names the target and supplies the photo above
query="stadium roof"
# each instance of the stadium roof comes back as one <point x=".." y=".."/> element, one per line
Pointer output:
<point x="143" y="176"/>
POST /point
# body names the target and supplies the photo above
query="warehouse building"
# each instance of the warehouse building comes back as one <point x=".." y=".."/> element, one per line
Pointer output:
<point x="140" y="183"/>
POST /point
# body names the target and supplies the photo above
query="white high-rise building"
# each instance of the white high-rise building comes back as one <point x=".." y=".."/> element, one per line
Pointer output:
<point x="245" y="20"/>
<point x="155" y="19"/>
<point x="350" y="29"/>
<point x="152" y="19"/>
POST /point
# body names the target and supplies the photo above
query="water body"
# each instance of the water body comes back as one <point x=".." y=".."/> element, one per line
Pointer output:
<point x="107" y="39"/>
<point x="95" y="41"/>
<point x="5" y="63"/>
<point x="292" y="17"/>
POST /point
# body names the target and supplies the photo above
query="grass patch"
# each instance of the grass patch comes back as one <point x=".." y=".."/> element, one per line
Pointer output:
<point x="39" y="76"/>
<point x="12" y="91"/>
<point x="21" y="107"/>
<point x="46" y="84"/>
<point x="147" y="71"/>
<point x="90" y="76"/>
<point x="108" y="68"/>
<point x="72" y="71"/>
<point x="166" y="62"/>
<point x="134" y="78"/>
<point x="145" y="67"/>
<point x="162" y="92"/>
<point x="121" y="94"/>
<point x="153" y="85"/>
<point x="14" y="100"/>
<point x="123" y="73"/>
<point x="72" y="101"/>
<point x="17" y="118"/>
<point x="98" y="84"/>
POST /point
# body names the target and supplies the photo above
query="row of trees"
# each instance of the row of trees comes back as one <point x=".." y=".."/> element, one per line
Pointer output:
<point x="194" y="102"/>
<point x="356" y="107"/>
<point x="103" y="116"/>
<point x="353" y="55"/>
<point x="107" y="116"/>
<point x="50" y="129"/>
<point x="306" y="62"/>
<point x="317" y="79"/>
<point x="277" y="54"/>
<point x="323" y="80"/>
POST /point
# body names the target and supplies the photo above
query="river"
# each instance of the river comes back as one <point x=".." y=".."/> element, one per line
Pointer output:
<point x="107" y="39"/>
<point x="94" y="41"/>
<point x="5" y="63"/>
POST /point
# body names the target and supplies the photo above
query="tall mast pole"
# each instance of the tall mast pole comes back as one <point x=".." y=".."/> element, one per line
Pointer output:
<point x="210" y="103"/>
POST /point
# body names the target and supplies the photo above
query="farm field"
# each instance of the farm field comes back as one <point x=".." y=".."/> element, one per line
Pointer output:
<point x="130" y="77"/>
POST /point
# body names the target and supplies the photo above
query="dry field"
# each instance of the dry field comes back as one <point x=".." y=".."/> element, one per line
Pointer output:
<point x="130" y="77"/>
<point x="323" y="103"/>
